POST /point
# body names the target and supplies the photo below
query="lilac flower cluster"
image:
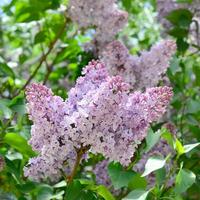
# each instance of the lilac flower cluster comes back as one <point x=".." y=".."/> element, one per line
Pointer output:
<point x="103" y="15"/>
<point x="47" y="112"/>
<point x="141" y="71"/>
<point x="99" y="113"/>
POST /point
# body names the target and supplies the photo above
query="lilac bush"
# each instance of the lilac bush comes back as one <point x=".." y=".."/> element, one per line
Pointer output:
<point x="105" y="130"/>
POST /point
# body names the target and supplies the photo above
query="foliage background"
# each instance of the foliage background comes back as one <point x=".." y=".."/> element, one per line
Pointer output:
<point x="38" y="43"/>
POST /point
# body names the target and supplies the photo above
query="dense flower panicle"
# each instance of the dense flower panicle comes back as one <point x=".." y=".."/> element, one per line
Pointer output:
<point x="118" y="61"/>
<point x="157" y="61"/>
<point x="46" y="111"/>
<point x="159" y="97"/>
<point x="110" y="26"/>
<point x="103" y="15"/>
<point x="50" y="162"/>
<point x="141" y="71"/>
<point x="94" y="74"/>
<point x="87" y="13"/>
<point x="152" y="104"/>
<point x="100" y="113"/>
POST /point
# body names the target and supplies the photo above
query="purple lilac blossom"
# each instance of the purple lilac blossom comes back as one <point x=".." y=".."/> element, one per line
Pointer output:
<point x="100" y="112"/>
<point x="103" y="15"/>
<point x="141" y="71"/>
<point x="101" y="174"/>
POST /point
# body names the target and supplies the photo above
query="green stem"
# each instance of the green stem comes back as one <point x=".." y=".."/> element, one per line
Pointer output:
<point x="80" y="153"/>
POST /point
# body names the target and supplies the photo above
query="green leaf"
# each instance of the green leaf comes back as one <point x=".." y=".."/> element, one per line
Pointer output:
<point x="60" y="184"/>
<point x="7" y="196"/>
<point x="27" y="187"/>
<point x="196" y="70"/>
<point x="184" y="180"/>
<point x="152" y="138"/>
<point x="184" y="1"/>
<point x="14" y="156"/>
<point x="182" y="44"/>
<point x="40" y="37"/>
<point x="180" y="17"/>
<point x="4" y="109"/>
<point x="86" y="182"/>
<point x="168" y="137"/>
<point x="33" y="10"/>
<point x="193" y="106"/>
<point x="13" y="169"/>
<point x="45" y="193"/>
<point x="174" y="65"/>
<point x="18" y="105"/>
<point x="5" y="70"/>
<point x="100" y="189"/>
<point x="76" y="191"/>
<point x="119" y="177"/>
<point x="137" y="182"/>
<point x="160" y="176"/>
<point x="58" y="195"/>
<point x="137" y="195"/>
<point x="127" y="4"/>
<point x="19" y="143"/>
<point x="179" y="147"/>
<point x="104" y="192"/>
<point x="153" y="164"/>
<point x="179" y="33"/>
<point x="189" y="147"/>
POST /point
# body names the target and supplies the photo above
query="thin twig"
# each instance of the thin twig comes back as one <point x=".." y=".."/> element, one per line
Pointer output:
<point x="48" y="67"/>
<point x="80" y="153"/>
<point x="43" y="58"/>
<point x="47" y="74"/>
